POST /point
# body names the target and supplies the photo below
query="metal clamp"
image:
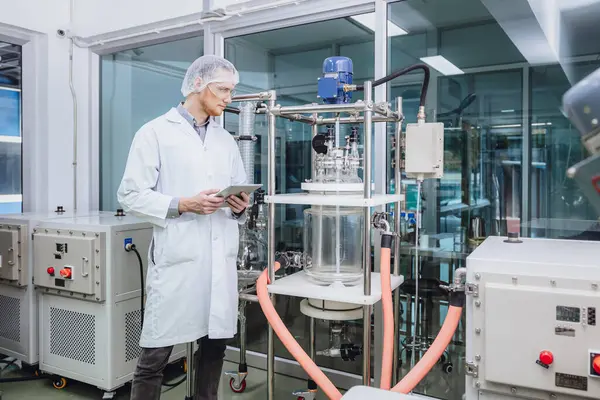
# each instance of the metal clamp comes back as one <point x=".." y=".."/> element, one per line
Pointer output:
<point x="472" y="289"/>
<point x="471" y="369"/>
<point x="379" y="220"/>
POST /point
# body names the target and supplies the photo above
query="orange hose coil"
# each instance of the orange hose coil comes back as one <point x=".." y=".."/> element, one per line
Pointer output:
<point x="387" y="359"/>
<point x="433" y="354"/>
<point x="288" y="340"/>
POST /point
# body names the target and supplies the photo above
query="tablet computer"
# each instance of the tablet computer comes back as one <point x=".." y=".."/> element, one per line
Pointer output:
<point x="236" y="190"/>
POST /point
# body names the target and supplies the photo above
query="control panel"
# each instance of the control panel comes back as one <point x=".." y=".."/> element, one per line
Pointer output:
<point x="13" y="255"/>
<point x="70" y="263"/>
<point x="532" y="339"/>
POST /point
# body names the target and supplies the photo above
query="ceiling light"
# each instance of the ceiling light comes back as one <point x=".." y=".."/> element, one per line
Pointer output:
<point x="507" y="111"/>
<point x="368" y="21"/>
<point x="442" y="65"/>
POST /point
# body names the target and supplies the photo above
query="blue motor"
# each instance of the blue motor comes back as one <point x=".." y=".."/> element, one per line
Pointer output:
<point x="337" y="72"/>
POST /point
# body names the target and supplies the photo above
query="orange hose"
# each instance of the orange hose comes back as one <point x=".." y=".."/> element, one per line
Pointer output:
<point x="432" y="355"/>
<point x="388" y="320"/>
<point x="288" y="340"/>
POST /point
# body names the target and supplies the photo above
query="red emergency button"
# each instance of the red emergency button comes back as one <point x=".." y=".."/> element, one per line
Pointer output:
<point x="546" y="357"/>
<point x="50" y="271"/>
<point x="596" y="364"/>
<point x="65" y="273"/>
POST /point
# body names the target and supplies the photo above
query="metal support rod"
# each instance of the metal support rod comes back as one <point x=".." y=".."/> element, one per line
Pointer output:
<point x="397" y="229"/>
<point x="367" y="172"/>
<point x="189" y="380"/>
<point x="357" y="119"/>
<point x="254" y="96"/>
<point x="243" y="333"/>
<point x="292" y="117"/>
<point x="271" y="242"/>
<point x="252" y="298"/>
<point x="320" y="108"/>
<point x="312" y="339"/>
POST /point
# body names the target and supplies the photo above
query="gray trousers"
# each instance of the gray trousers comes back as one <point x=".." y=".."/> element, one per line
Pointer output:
<point x="208" y="364"/>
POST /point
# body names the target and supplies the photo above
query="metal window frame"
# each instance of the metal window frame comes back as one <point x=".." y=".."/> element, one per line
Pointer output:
<point x="34" y="157"/>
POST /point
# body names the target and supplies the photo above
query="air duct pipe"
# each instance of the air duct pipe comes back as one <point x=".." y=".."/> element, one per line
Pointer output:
<point x="246" y="138"/>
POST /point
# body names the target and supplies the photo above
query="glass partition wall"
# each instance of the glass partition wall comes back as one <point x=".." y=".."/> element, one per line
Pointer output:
<point x="137" y="85"/>
<point x="290" y="61"/>
<point x="10" y="128"/>
<point x="507" y="148"/>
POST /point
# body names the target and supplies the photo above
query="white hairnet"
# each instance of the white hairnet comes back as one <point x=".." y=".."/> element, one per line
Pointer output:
<point x="209" y="69"/>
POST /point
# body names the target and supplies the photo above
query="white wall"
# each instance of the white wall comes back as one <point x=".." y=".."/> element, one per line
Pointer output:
<point x="48" y="116"/>
<point x="101" y="17"/>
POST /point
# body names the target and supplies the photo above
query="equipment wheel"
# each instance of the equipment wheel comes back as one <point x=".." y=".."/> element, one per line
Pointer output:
<point x="237" y="388"/>
<point x="59" y="383"/>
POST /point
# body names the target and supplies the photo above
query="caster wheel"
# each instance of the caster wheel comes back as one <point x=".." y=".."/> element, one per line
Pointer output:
<point x="237" y="388"/>
<point x="448" y="367"/>
<point x="59" y="383"/>
<point x="442" y="359"/>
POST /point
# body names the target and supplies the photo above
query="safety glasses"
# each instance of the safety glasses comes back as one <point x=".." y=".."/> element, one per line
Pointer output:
<point x="221" y="91"/>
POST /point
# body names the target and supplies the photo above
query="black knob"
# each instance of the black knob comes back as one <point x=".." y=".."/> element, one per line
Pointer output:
<point x="319" y="144"/>
<point x="60" y="209"/>
<point x="120" y="213"/>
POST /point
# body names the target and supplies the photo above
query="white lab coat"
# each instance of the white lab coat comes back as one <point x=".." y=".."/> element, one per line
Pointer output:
<point x="192" y="277"/>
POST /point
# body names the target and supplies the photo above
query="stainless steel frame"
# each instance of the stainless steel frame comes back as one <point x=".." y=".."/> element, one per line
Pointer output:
<point x="368" y="108"/>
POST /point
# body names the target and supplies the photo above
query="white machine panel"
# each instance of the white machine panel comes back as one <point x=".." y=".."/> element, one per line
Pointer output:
<point x="69" y="262"/>
<point x="13" y="262"/>
<point x="19" y="333"/>
<point x="424" y="150"/>
<point x="366" y="392"/>
<point x="90" y="324"/>
<point x="532" y="326"/>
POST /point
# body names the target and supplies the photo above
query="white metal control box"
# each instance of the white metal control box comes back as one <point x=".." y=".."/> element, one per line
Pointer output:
<point x="89" y="297"/>
<point x="424" y="150"/>
<point x="532" y="328"/>
<point x="18" y="298"/>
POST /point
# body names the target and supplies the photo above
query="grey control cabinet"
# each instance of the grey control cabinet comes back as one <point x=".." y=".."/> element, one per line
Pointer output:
<point x="90" y="297"/>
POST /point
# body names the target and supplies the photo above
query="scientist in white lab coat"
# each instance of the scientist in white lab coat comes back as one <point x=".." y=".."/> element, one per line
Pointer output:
<point x="175" y="164"/>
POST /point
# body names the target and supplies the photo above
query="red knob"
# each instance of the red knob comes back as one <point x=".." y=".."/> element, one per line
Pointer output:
<point x="65" y="273"/>
<point x="50" y="271"/>
<point x="596" y="364"/>
<point x="547" y="358"/>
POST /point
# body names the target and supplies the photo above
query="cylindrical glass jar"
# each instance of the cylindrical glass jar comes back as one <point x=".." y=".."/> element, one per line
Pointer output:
<point x="333" y="244"/>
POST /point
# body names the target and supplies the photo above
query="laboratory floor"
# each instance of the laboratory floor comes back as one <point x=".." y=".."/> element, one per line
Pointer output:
<point x="256" y="389"/>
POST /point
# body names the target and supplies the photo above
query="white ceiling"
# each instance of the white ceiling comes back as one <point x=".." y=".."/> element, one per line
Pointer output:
<point x="415" y="16"/>
<point x="332" y="31"/>
<point x="420" y="15"/>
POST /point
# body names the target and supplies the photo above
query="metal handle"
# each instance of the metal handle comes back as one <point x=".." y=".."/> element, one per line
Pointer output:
<point x="84" y="261"/>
